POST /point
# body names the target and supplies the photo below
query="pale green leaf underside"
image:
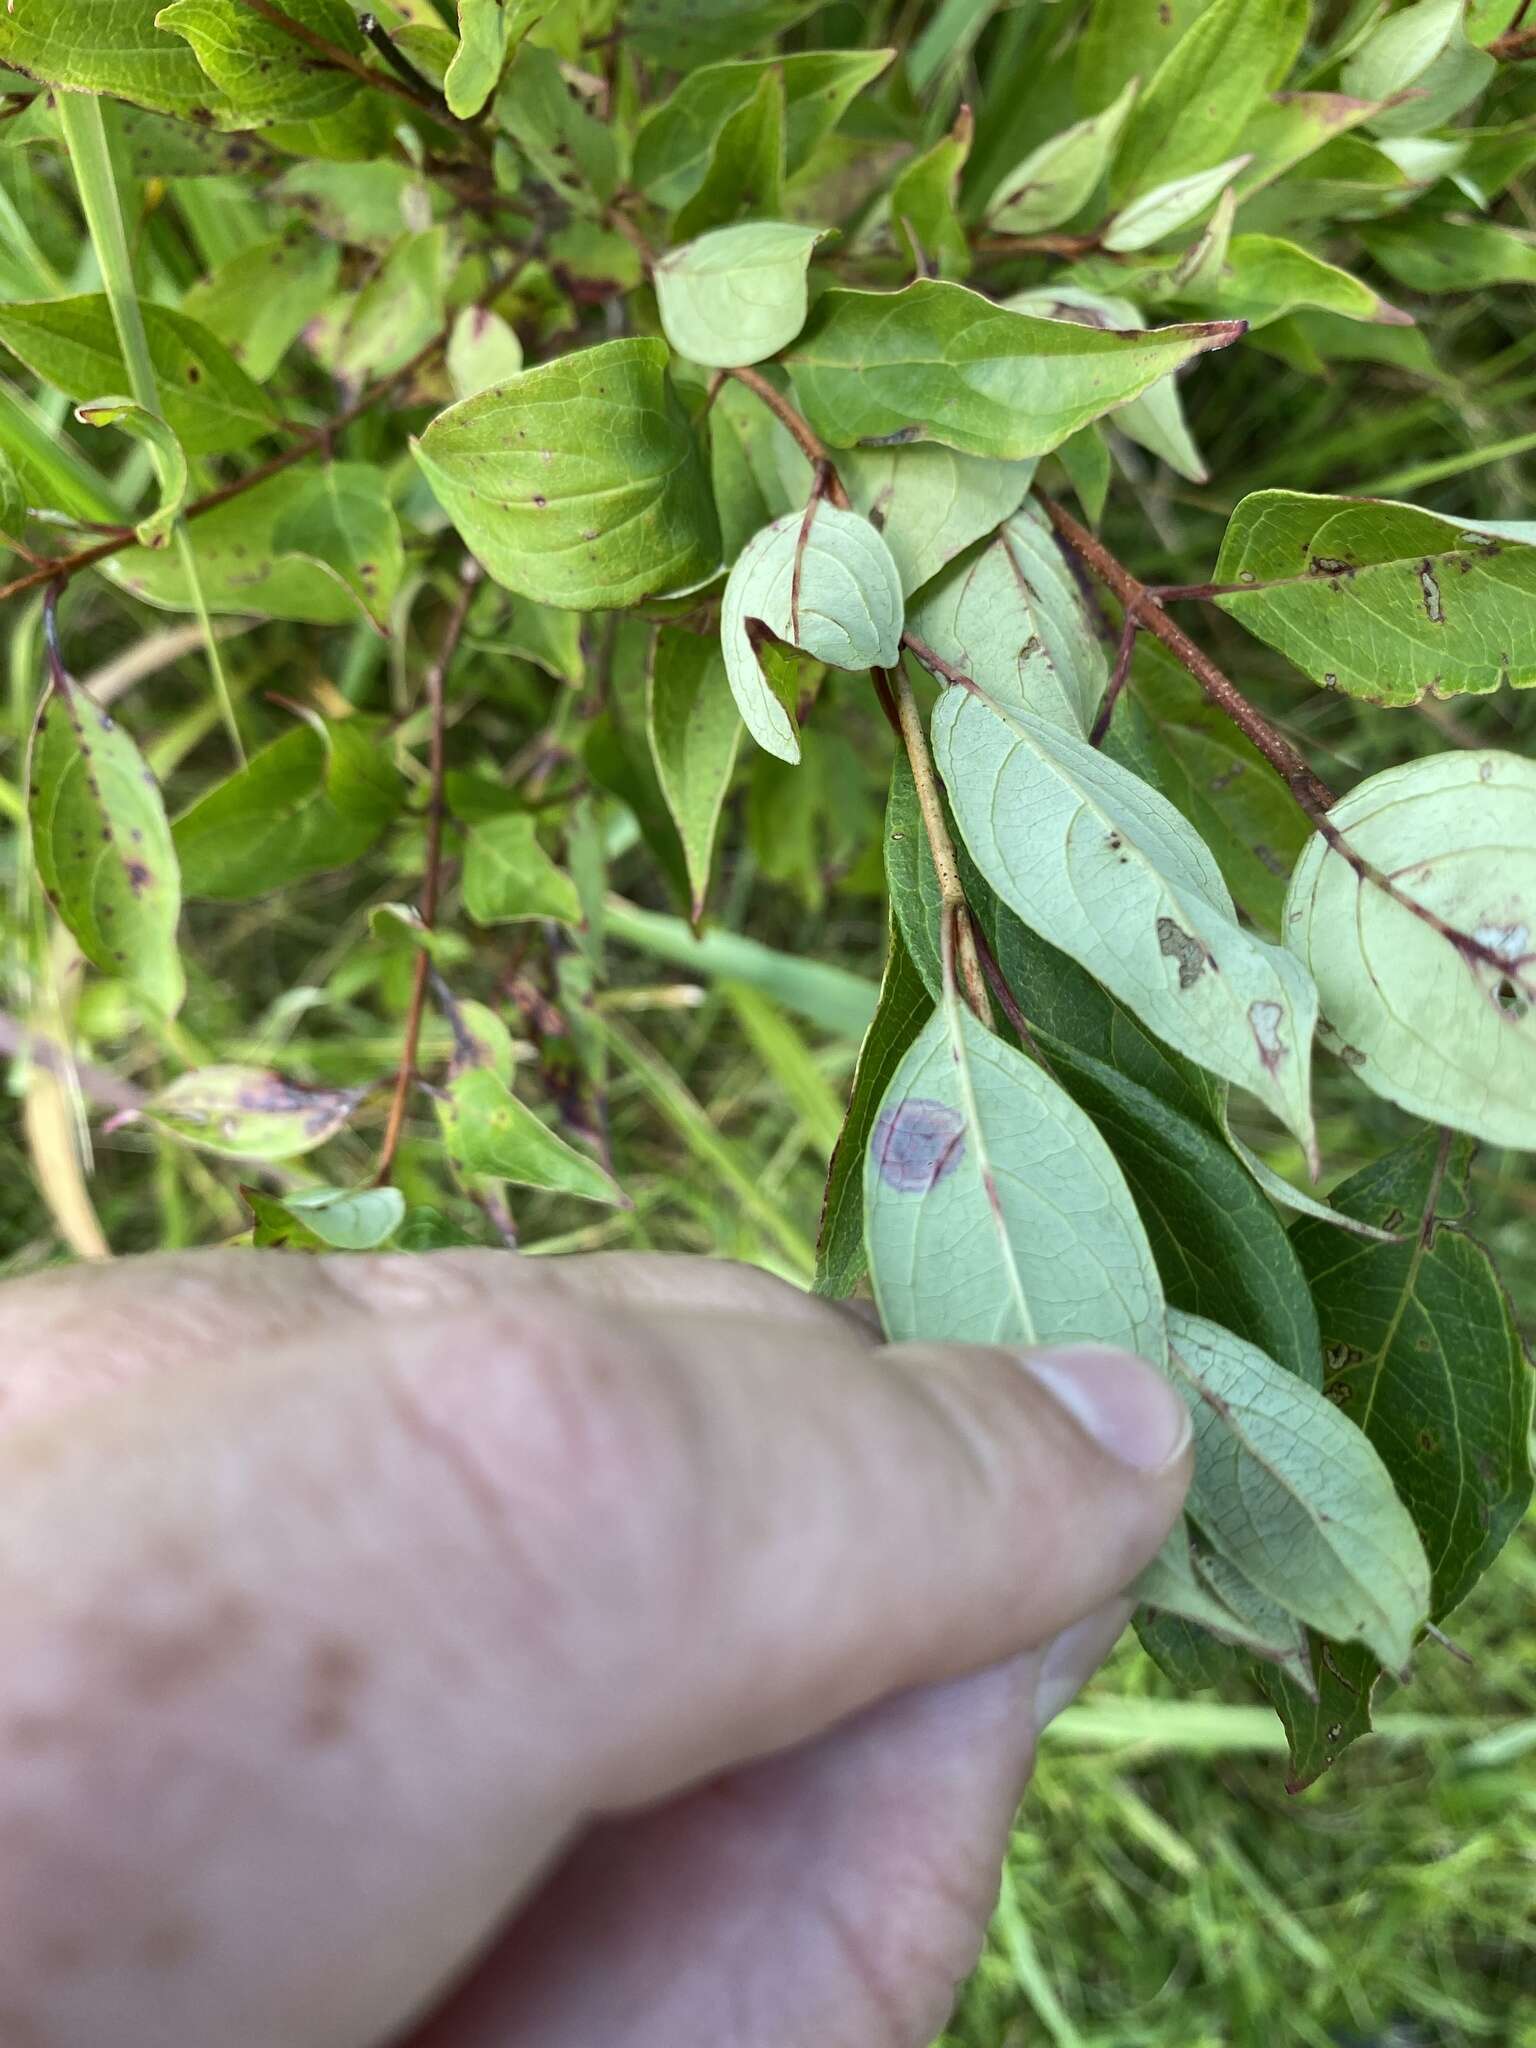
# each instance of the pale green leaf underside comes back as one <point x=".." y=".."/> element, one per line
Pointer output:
<point x="1012" y="618"/>
<point x="823" y="582"/>
<point x="249" y="1112"/>
<point x="1295" y="1496"/>
<point x="938" y="362"/>
<point x="1436" y="1029"/>
<point x="1097" y="862"/>
<point x="1059" y="177"/>
<point x="1197" y="1585"/>
<point x="579" y="483"/>
<point x="1382" y="600"/>
<point x="737" y="295"/>
<point x="1166" y="207"/>
<point x="993" y="1210"/>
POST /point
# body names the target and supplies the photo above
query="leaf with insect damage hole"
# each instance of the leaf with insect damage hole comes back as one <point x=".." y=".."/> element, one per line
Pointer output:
<point x="250" y="1112"/>
<point x="1097" y="862"/>
<point x="509" y="877"/>
<point x="694" y="730"/>
<point x="940" y="363"/>
<point x="1191" y="1583"/>
<point x="1379" y="599"/>
<point x="208" y="401"/>
<point x="1011" y="617"/>
<point x="1059" y="178"/>
<point x="1295" y="1496"/>
<point x="264" y="73"/>
<point x="103" y="847"/>
<point x="579" y="483"/>
<point x="1417" y="915"/>
<point x="821" y="580"/>
<point x="994" y="1212"/>
<point x="487" y="1130"/>
<point x="252" y="559"/>
<point x="326" y="1219"/>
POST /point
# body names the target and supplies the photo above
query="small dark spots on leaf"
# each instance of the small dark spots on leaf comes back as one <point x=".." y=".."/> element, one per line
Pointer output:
<point x="1393" y="1220"/>
<point x="1351" y="1055"/>
<point x="1341" y="1393"/>
<point x="1434" y="607"/>
<point x="1335" y="1733"/>
<point x="139" y="877"/>
<point x="1330" y="565"/>
<point x="1428" y="1441"/>
<point x="1184" y="947"/>
<point x="916" y="1143"/>
<point x="540" y="500"/>
<point x="1337" y="1356"/>
<point x="1330" y="681"/>
<point x="1115" y="842"/>
<point x="194" y="374"/>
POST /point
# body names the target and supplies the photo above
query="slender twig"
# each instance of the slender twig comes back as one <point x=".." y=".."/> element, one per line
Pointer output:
<point x="1117" y="680"/>
<point x="1313" y="795"/>
<point x="338" y="59"/>
<point x="1069" y="246"/>
<point x="829" y="483"/>
<point x="65" y="566"/>
<point x="1007" y="1001"/>
<point x="398" y="62"/>
<point x="930" y="803"/>
<point x="433" y="690"/>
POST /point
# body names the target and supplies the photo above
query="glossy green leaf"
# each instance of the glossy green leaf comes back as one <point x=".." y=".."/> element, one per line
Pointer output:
<point x="508" y="876"/>
<point x="311" y="802"/>
<point x="1455" y="255"/>
<point x="993" y="1211"/>
<point x="1264" y="277"/>
<point x="102" y="847"/>
<point x="170" y="460"/>
<point x="487" y="1130"/>
<point x="1057" y="180"/>
<point x="260" y="300"/>
<point x="938" y="362"/>
<point x="1220" y="1249"/>
<point x="483" y="351"/>
<point x="1155" y="420"/>
<point x="695" y="731"/>
<point x="1158" y="212"/>
<point x="1126" y="39"/>
<point x="208" y="401"/>
<point x="744" y="176"/>
<point x="737" y="295"/>
<point x="1291" y="1493"/>
<point x="579" y="483"/>
<point x="1106" y="869"/>
<point x="1423" y="1354"/>
<point x="13" y="502"/>
<point x="1422" y="52"/>
<point x="264" y="73"/>
<point x="822" y="581"/>
<point x="109" y="46"/>
<point x="1382" y="600"/>
<point x="344" y="519"/>
<point x="475" y="70"/>
<point x="1012" y="618"/>
<point x="672" y="149"/>
<point x="903" y="1009"/>
<point x="1426" y="961"/>
<point x="247" y="568"/>
<point x="250" y="1112"/>
<point x="1194" y="109"/>
<point x="326" y="1219"/>
<point x="924" y="203"/>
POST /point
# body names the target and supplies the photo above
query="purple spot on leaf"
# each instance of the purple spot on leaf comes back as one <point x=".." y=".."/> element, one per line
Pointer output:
<point x="917" y="1143"/>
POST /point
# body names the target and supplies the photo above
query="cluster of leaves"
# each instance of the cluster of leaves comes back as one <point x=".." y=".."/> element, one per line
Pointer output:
<point x="817" y="348"/>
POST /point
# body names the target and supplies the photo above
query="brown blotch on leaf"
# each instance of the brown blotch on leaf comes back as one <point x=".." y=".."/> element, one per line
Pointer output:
<point x="916" y="1143"/>
<point x="139" y="876"/>
<point x="1184" y="947"/>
